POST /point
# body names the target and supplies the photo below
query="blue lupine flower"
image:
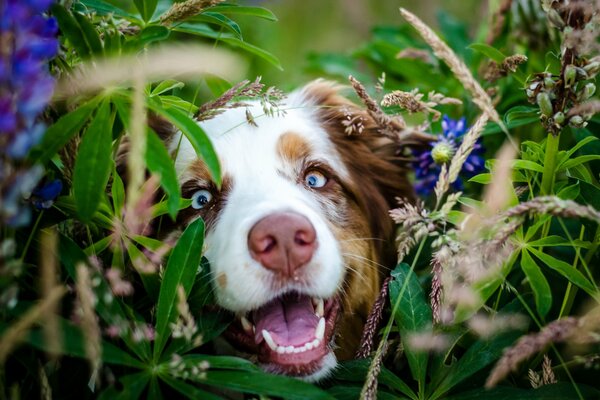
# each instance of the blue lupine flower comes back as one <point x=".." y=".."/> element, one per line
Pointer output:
<point x="428" y="162"/>
<point x="44" y="195"/>
<point x="27" y="41"/>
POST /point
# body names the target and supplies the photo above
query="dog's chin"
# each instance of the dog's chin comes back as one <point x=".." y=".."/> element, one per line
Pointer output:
<point x="292" y="334"/>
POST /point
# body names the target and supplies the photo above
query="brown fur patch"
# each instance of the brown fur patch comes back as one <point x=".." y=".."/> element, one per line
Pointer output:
<point x="199" y="171"/>
<point x="222" y="280"/>
<point x="377" y="177"/>
<point x="293" y="147"/>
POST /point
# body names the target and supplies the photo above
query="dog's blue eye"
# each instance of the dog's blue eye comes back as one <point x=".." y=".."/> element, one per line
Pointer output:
<point x="315" y="179"/>
<point x="201" y="198"/>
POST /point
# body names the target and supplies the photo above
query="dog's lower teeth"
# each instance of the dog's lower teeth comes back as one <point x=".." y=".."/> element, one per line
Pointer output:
<point x="320" y="331"/>
<point x="269" y="340"/>
<point x="280" y="349"/>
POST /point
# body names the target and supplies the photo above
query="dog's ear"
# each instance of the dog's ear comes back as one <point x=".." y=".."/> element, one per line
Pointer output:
<point x="376" y="163"/>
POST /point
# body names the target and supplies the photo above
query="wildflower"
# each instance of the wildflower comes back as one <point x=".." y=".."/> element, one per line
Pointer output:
<point x="44" y="195"/>
<point x="428" y="162"/>
<point x="27" y="41"/>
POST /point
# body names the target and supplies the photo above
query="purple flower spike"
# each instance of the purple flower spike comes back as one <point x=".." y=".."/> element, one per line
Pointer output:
<point x="26" y="87"/>
<point x="428" y="162"/>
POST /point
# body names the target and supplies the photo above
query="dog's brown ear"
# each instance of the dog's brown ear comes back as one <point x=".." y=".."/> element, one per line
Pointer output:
<point x="376" y="163"/>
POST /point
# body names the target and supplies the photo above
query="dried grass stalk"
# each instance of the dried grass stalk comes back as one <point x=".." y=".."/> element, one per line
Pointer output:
<point x="369" y="390"/>
<point x="373" y="321"/>
<point x="17" y="331"/>
<point x="181" y="11"/>
<point x="526" y="346"/>
<point x="413" y="102"/>
<point x="48" y="282"/>
<point x="588" y="108"/>
<point x="181" y="61"/>
<point x="466" y="147"/>
<point x="87" y="317"/>
<point x="136" y="165"/>
<point x="460" y="70"/>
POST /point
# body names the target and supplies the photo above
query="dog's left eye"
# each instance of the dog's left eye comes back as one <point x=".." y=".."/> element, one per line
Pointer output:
<point x="315" y="179"/>
<point x="201" y="198"/>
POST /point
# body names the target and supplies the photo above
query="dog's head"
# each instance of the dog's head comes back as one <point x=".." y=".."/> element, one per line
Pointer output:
<point x="298" y="229"/>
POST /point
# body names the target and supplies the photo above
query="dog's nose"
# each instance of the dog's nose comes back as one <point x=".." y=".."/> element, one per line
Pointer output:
<point x="283" y="242"/>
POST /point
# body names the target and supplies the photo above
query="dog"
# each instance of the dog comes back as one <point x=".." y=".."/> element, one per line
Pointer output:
<point x="298" y="233"/>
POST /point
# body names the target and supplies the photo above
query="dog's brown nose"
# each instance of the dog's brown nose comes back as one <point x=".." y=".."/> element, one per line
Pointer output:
<point x="283" y="242"/>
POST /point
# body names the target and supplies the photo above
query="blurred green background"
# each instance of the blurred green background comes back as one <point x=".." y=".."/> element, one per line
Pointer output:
<point x="337" y="26"/>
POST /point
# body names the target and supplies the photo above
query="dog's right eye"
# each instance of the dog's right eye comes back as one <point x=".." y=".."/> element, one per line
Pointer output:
<point x="201" y="198"/>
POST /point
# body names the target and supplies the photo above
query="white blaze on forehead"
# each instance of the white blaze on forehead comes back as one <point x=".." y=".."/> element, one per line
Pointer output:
<point x="245" y="150"/>
<point x="263" y="182"/>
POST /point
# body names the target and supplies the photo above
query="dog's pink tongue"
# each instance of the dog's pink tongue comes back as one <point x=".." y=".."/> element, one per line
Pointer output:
<point x="290" y="320"/>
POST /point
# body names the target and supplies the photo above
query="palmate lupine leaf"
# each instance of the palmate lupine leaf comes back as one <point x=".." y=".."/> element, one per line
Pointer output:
<point x="93" y="163"/>
<point x="412" y="315"/>
<point x="180" y="271"/>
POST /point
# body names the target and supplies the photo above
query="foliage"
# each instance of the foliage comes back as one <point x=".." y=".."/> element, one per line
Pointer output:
<point x="91" y="297"/>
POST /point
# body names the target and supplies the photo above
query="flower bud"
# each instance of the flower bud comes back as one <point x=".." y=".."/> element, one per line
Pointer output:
<point x="577" y="121"/>
<point x="549" y="83"/>
<point x="559" y="118"/>
<point x="442" y="152"/>
<point x="555" y="19"/>
<point x="592" y="68"/>
<point x="543" y="101"/>
<point x="587" y="91"/>
<point x="570" y="75"/>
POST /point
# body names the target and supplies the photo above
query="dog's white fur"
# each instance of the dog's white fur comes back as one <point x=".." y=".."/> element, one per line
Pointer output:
<point x="264" y="183"/>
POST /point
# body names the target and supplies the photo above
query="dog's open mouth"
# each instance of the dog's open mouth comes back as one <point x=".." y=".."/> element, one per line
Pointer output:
<point x="291" y="334"/>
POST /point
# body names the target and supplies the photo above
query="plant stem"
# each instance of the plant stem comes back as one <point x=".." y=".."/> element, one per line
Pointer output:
<point x="31" y="234"/>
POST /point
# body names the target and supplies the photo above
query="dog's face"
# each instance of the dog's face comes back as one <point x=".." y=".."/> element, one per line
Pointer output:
<point x="295" y="232"/>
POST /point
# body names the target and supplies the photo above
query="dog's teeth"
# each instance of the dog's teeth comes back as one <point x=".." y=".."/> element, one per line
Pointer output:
<point x="315" y="343"/>
<point x="289" y="349"/>
<point x="280" y="349"/>
<point x="270" y="342"/>
<point x="247" y="325"/>
<point x="309" y="345"/>
<point x="320" y="331"/>
<point x="320" y="308"/>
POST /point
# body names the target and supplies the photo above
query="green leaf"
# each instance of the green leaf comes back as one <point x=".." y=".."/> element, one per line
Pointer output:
<point x="573" y="162"/>
<point x="479" y="355"/>
<point x="195" y="134"/>
<point x="61" y="131"/>
<point x="220" y="362"/>
<point x="412" y="315"/>
<point x="146" y="8"/>
<point x="567" y="271"/>
<point x="217" y="85"/>
<point x="488" y="51"/>
<point x="90" y="35"/>
<point x="159" y="162"/>
<point x="203" y="30"/>
<point x="538" y="282"/>
<point x="74" y="345"/>
<point x="259" y="12"/>
<point x="357" y="370"/>
<point x="152" y="33"/>
<point x="556" y="391"/>
<point x="484" y="178"/>
<point x="71" y="29"/>
<point x="189" y="391"/>
<point x="580" y="144"/>
<point x="262" y="383"/>
<point x="529" y="165"/>
<point x="180" y="271"/>
<point x="166" y="85"/>
<point x="220" y="20"/>
<point x="553" y="240"/>
<point x="93" y="164"/>
<point x="570" y="192"/>
<point x="104" y="8"/>
<point x="132" y="387"/>
<point x="118" y="193"/>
